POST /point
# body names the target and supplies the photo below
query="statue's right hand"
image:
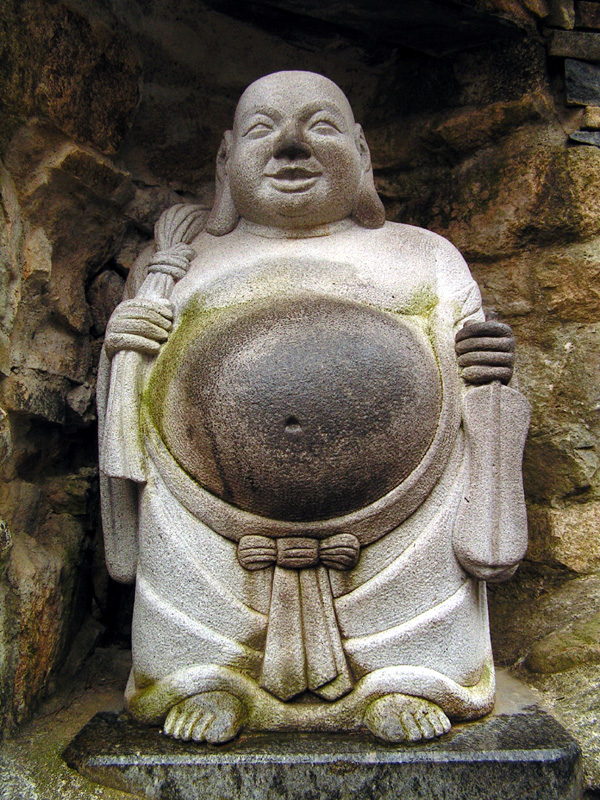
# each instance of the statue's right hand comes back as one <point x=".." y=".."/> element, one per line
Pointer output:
<point x="140" y="324"/>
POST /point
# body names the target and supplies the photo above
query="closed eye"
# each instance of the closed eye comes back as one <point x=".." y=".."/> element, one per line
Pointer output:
<point x="324" y="127"/>
<point x="258" y="130"/>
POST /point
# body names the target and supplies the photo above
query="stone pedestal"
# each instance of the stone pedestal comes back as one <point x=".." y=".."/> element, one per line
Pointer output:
<point x="525" y="755"/>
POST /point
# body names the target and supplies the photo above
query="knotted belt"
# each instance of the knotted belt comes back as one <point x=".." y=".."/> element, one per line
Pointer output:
<point x="303" y="648"/>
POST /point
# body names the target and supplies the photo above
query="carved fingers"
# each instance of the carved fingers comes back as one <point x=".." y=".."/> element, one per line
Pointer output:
<point x="140" y="324"/>
<point x="486" y="352"/>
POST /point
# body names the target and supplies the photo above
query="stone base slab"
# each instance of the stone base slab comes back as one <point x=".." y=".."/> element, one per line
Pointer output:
<point x="526" y="755"/>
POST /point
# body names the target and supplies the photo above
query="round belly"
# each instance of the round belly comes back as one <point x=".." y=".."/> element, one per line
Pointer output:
<point x="297" y="409"/>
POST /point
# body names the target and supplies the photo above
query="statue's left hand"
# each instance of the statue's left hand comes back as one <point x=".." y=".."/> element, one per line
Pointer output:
<point x="139" y="324"/>
<point x="485" y="351"/>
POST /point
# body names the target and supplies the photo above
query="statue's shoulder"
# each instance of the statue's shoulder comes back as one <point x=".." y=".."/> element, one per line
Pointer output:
<point x="401" y="235"/>
<point x="430" y="255"/>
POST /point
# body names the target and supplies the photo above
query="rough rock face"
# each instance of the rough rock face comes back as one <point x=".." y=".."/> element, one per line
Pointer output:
<point x="114" y="111"/>
<point x="71" y="66"/>
<point x="61" y="228"/>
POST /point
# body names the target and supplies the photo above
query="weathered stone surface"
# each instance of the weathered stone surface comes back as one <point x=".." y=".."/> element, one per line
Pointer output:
<point x="591" y="118"/>
<point x="539" y="8"/>
<point x="575" y="44"/>
<point x="563" y="650"/>
<point x="564" y="424"/>
<point x="433" y="125"/>
<point x="451" y="135"/>
<point x="148" y="204"/>
<point x="304" y="323"/>
<point x="559" y="463"/>
<point x="31" y="762"/>
<point x="43" y="589"/>
<point x="564" y="205"/>
<point x="63" y="221"/>
<point x="569" y="537"/>
<point x="63" y="188"/>
<point x="14" y="783"/>
<point x="587" y="14"/>
<point x="104" y="294"/>
<point x="586" y="137"/>
<point x="561" y="14"/>
<point x="539" y="601"/>
<point x="582" y="82"/>
<point x="11" y="235"/>
<point x="302" y="460"/>
<point x="501" y="201"/>
<point x="550" y="297"/>
<point x="509" y="753"/>
<point x="80" y="72"/>
<point x="36" y="396"/>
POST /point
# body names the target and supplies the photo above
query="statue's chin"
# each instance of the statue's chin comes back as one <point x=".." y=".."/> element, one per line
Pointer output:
<point x="301" y="408"/>
<point x="301" y="205"/>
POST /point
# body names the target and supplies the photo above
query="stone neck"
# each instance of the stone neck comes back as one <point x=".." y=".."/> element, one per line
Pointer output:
<point x="267" y="232"/>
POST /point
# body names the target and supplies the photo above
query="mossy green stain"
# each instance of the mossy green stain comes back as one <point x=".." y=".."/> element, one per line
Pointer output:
<point x="419" y="304"/>
<point x="195" y="319"/>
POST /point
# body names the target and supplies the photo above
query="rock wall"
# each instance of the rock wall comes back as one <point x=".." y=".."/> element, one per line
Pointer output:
<point x="114" y="110"/>
<point x="71" y="88"/>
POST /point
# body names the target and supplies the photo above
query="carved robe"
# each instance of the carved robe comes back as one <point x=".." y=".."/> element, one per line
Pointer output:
<point x="273" y="606"/>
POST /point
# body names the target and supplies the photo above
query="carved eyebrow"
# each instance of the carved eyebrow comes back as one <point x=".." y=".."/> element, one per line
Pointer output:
<point x="336" y="115"/>
<point x="251" y="116"/>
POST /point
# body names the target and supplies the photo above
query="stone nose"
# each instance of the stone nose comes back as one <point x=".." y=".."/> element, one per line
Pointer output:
<point x="291" y="148"/>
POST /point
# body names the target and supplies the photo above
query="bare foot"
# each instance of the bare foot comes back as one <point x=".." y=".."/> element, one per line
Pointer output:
<point x="214" y="717"/>
<point x="403" y="718"/>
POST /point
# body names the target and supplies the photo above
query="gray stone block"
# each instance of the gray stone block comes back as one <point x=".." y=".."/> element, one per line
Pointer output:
<point x="575" y="44"/>
<point x="588" y="15"/>
<point x="586" y="137"/>
<point x="526" y="755"/>
<point x="582" y="83"/>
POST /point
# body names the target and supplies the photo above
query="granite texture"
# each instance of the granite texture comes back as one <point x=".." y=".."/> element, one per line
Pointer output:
<point x="586" y="137"/>
<point x="582" y="82"/>
<point x="526" y="755"/>
<point x="575" y="44"/>
<point x="587" y="15"/>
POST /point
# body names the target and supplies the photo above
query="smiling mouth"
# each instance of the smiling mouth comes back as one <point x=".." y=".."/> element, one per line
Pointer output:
<point x="293" y="179"/>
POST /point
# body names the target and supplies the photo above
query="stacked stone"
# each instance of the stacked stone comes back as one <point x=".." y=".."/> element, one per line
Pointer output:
<point x="574" y="35"/>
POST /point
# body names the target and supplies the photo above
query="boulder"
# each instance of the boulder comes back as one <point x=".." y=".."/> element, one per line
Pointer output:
<point x="567" y="537"/>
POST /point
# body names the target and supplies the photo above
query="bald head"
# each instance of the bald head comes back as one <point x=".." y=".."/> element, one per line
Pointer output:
<point x="296" y="159"/>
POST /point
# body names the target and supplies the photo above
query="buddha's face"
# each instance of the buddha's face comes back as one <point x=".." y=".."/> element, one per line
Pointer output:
<point x="295" y="160"/>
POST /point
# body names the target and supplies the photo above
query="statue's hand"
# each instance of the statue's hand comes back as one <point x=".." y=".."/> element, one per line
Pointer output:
<point x="485" y="351"/>
<point x="139" y="324"/>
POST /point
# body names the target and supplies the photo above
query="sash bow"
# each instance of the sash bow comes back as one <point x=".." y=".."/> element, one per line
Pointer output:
<point x="303" y="648"/>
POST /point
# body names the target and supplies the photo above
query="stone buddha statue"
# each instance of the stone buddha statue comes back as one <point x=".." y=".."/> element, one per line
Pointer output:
<point x="310" y="448"/>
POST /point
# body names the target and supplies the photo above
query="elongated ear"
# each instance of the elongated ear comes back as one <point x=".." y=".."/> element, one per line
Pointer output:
<point x="223" y="217"/>
<point x="368" y="209"/>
